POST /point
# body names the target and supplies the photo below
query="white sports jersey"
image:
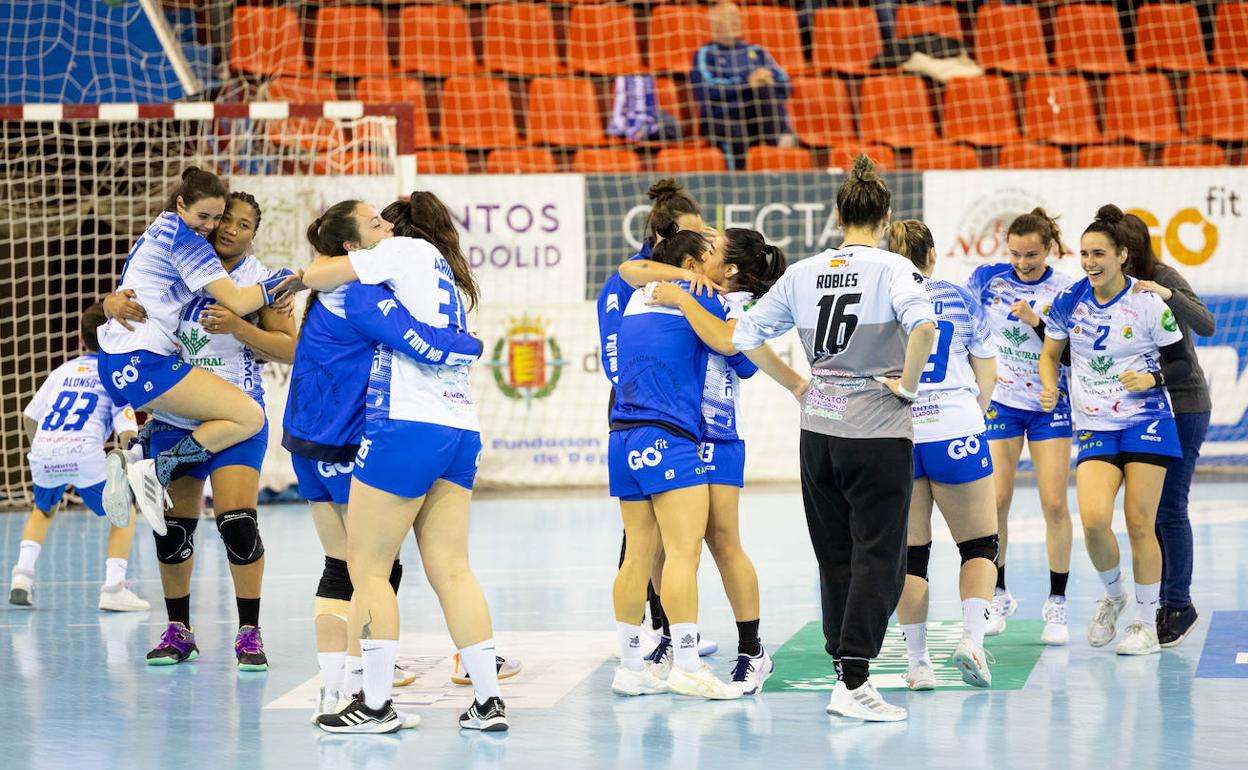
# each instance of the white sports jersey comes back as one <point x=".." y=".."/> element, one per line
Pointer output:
<point x="853" y="308"/>
<point x="75" y="417"/>
<point x="168" y="264"/>
<point x="721" y="393"/>
<point x="401" y="388"/>
<point x="1125" y="334"/>
<point x="221" y="354"/>
<point x="1018" y="345"/>
<point x="947" y="406"/>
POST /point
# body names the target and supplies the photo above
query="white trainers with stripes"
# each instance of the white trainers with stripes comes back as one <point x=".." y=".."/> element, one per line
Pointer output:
<point x="358" y="718"/>
<point x="150" y="497"/>
<point x="488" y="717"/>
<point x="643" y="682"/>
<point x="118" y="500"/>
<point x="863" y="703"/>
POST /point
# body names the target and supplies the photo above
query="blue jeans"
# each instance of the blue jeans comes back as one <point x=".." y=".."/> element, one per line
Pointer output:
<point x="1174" y="529"/>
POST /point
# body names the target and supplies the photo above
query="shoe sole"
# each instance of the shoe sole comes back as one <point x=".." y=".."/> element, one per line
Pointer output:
<point x="20" y="597"/>
<point x="134" y="608"/>
<point x="635" y="693"/>
<point x="971" y="672"/>
<point x="167" y="661"/>
<point x="403" y="682"/>
<point x="1151" y="651"/>
<point x="155" y="519"/>
<point x="866" y="718"/>
<point x="372" y="728"/>
<point x="468" y="680"/>
<point x="762" y="680"/>
<point x="730" y="695"/>
<point x="1104" y="643"/>
<point x="1186" y="633"/>
<point x="117" y="497"/>
<point x="496" y="725"/>
<point x="923" y="686"/>
<point x="253" y="666"/>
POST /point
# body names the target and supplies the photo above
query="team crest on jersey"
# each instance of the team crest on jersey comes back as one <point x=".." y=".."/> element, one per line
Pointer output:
<point x="1101" y="365"/>
<point x="527" y="362"/>
<point x="1016" y="336"/>
<point x="1078" y="329"/>
<point x="991" y="414"/>
<point x="1127" y="333"/>
<point x="195" y="341"/>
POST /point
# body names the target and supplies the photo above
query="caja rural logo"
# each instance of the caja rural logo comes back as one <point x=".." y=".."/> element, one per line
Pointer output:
<point x="526" y="361"/>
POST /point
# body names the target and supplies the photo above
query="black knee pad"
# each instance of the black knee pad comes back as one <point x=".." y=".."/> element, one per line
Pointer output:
<point x="917" y="557"/>
<point x="396" y="575"/>
<point x="178" y="543"/>
<point x="240" y="532"/>
<point x="980" y="548"/>
<point x="335" y="581"/>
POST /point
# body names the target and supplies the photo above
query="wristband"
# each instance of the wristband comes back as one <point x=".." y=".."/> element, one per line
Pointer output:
<point x="1159" y="379"/>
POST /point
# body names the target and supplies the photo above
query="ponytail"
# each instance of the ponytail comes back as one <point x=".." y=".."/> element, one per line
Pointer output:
<point x="671" y="202"/>
<point x="336" y="226"/>
<point x="911" y="239"/>
<point x="759" y="264"/>
<point x="863" y="199"/>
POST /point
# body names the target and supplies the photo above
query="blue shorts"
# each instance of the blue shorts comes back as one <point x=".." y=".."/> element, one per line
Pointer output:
<point x="1009" y="422"/>
<point x="1154" y="442"/>
<point x="46" y="498"/>
<point x="725" y="462"/>
<point x="249" y="453"/>
<point x="953" y="461"/>
<point x="322" y="482"/>
<point x="647" y="461"/>
<point x="404" y="458"/>
<point x="140" y="377"/>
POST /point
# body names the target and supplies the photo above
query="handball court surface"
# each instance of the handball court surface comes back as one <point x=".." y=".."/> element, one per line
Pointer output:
<point x="76" y="692"/>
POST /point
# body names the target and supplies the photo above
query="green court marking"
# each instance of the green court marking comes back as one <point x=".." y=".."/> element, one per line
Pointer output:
<point x="802" y="665"/>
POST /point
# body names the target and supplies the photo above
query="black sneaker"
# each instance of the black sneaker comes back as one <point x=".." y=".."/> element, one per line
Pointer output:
<point x="176" y="645"/>
<point x="249" y="649"/>
<point x="489" y="717"/>
<point x="355" y="717"/>
<point x="1174" y="625"/>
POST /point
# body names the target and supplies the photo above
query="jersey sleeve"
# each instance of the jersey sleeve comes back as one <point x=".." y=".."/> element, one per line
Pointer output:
<point x="124" y="420"/>
<point x="38" y="405"/>
<point x="195" y="260"/>
<point x="376" y="314"/>
<point x="768" y="318"/>
<point x="910" y="302"/>
<point x="1165" y="327"/>
<point x="981" y="344"/>
<point x="1059" y="315"/>
<point x="391" y="258"/>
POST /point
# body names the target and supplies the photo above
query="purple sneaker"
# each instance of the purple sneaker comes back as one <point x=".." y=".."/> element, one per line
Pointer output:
<point x="249" y="649"/>
<point x="176" y="645"/>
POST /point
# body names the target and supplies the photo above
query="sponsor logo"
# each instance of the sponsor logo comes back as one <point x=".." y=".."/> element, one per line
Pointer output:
<point x="1101" y="364"/>
<point x="1084" y="435"/>
<point x="960" y="448"/>
<point x="981" y="234"/>
<point x="917" y="277"/>
<point x="613" y="302"/>
<point x="125" y="376"/>
<point x="1016" y="335"/>
<point x="386" y="305"/>
<point x="1167" y="321"/>
<point x="648" y="457"/>
<point x="687" y="642"/>
<point x="851" y="385"/>
<point x="991" y="414"/>
<point x="195" y="341"/>
<point x="669" y="474"/>
<point x="527" y="362"/>
<point x="331" y="470"/>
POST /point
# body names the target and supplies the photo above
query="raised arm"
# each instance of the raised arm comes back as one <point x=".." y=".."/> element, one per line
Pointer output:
<point x="1182" y="301"/>
<point x="244" y="300"/>
<point x="328" y="273"/>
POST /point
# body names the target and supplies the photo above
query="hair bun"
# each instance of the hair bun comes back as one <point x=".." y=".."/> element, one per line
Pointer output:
<point x="189" y="172"/>
<point x="1109" y="213"/>
<point x="669" y="230"/>
<point x="664" y="188"/>
<point x="864" y="169"/>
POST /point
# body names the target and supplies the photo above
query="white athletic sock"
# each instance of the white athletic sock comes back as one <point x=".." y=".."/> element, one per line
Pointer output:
<point x="114" y="573"/>
<point x="333" y="667"/>
<point x="974" y="618"/>
<point x="378" y="656"/>
<point x="482" y="666"/>
<point x="915" y="635"/>
<point x="629" y="638"/>
<point x="685" y="646"/>
<point x="1112" y="578"/>
<point x="1147" y="596"/>
<point x="28" y="554"/>
<point x="353" y="676"/>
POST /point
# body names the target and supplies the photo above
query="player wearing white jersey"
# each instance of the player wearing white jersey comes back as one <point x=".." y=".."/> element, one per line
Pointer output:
<point x="411" y="407"/>
<point x="1125" y="346"/>
<point x="952" y="465"/>
<point x="68" y="423"/>
<point x="1017" y="296"/>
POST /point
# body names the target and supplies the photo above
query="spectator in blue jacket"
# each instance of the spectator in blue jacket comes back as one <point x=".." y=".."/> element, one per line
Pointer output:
<point x="740" y="89"/>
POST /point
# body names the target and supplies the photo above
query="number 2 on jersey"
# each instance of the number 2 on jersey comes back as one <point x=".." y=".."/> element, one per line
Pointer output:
<point x="58" y="418"/>
<point x="836" y="324"/>
<point x="1102" y="333"/>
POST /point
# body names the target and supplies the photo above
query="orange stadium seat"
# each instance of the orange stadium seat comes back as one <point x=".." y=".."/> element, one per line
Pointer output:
<point x="524" y="160"/>
<point x="842" y="156"/>
<point x="676" y="32"/>
<point x="943" y="156"/>
<point x="436" y="40"/>
<point x="1111" y="156"/>
<point x="1217" y="107"/>
<point x="1059" y="108"/>
<point x="845" y="40"/>
<point x="564" y="111"/>
<point x="1031" y="155"/>
<point x="267" y="41"/>
<point x="477" y="112"/>
<point x="894" y="110"/>
<point x="602" y="40"/>
<point x="345" y="160"/>
<point x="1192" y="155"/>
<point x="313" y="133"/>
<point x="400" y="91"/>
<point x="1140" y="108"/>
<point x="613" y="160"/>
<point x="1010" y="38"/>
<point x="1087" y="38"/>
<point x="821" y="112"/>
<point x="764" y="157"/>
<point x="980" y="111"/>
<point x="776" y="30"/>
<point x="441" y="162"/>
<point x="350" y="40"/>
<point x="1168" y="37"/>
<point x="1230" y="36"/>
<point x="940" y="20"/>
<point x="688" y="160"/>
<point x="520" y="39"/>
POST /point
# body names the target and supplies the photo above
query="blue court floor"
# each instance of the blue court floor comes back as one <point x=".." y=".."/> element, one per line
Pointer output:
<point x="74" y="692"/>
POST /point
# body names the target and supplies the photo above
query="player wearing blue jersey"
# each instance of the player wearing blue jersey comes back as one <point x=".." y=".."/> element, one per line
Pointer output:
<point x="952" y="465"/>
<point x="1125" y="347"/>
<point x="1017" y="296"/>
<point x="139" y="364"/>
<point x="68" y="422"/>
<point x="410" y="405"/>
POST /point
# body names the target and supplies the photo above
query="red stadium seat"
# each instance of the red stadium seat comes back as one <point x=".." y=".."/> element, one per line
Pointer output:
<point x="676" y="33"/>
<point x="602" y="40"/>
<point x="436" y="40"/>
<point x="764" y="157"/>
<point x="267" y="41"/>
<point x="400" y="91"/>
<point x="894" y="110"/>
<point x="477" y="112"/>
<point x="350" y="40"/>
<point x="1168" y="37"/>
<point x="1230" y="37"/>
<point x="940" y="20"/>
<point x="1010" y="38"/>
<point x="312" y="133"/>
<point x="613" y="161"/>
<point x="525" y="160"/>
<point x="1059" y="108"/>
<point x="1192" y="155"/>
<point x="1031" y="155"/>
<point x="1217" y="107"/>
<point x="1140" y="108"/>
<point x="1111" y="156"/>
<point x="944" y="155"/>
<point x="1087" y="38"/>
<point x="980" y="111"/>
<point x="441" y="162"/>
<point x="842" y="156"/>
<point x="821" y="111"/>
<point x="349" y="161"/>
<point x="688" y="160"/>
<point x="845" y="40"/>
<point x="775" y="29"/>
<point x="520" y="39"/>
<point x="564" y="111"/>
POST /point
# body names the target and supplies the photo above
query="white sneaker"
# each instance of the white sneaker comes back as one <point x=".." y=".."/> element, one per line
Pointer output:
<point x="706" y="646"/>
<point x="1104" y="625"/>
<point x="919" y="676"/>
<point x="643" y="682"/>
<point x="972" y="661"/>
<point x="1139" y="640"/>
<point x="21" y="590"/>
<point x="407" y="719"/>
<point x="863" y="703"/>
<point x="750" y="672"/>
<point x="326" y="703"/>
<point x="401" y="677"/>
<point x="1003" y="606"/>
<point x="700" y="684"/>
<point x="122" y="599"/>
<point x="151" y="498"/>
<point x="117" y="499"/>
<point x="506" y="668"/>
<point x="659" y="662"/>
<point x="1056" y="632"/>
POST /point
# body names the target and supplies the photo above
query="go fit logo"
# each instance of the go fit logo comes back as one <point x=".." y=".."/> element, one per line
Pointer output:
<point x="1220" y="202"/>
<point x="648" y="457"/>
